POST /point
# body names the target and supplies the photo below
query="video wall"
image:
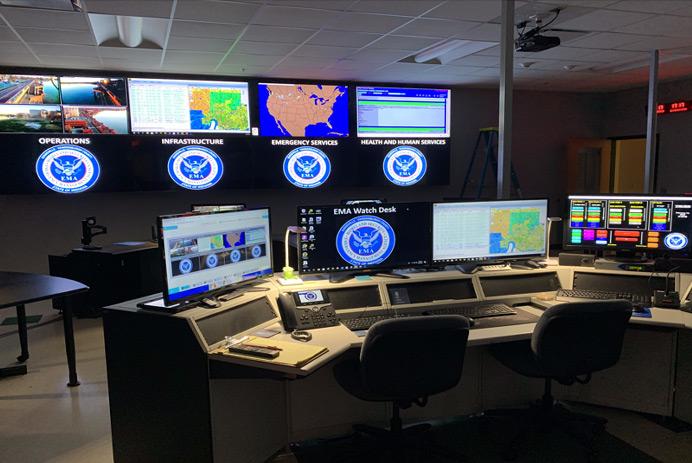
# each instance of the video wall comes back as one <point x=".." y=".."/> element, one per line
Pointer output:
<point x="71" y="134"/>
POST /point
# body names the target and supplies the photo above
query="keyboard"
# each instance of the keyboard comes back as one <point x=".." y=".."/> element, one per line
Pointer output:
<point x="479" y="311"/>
<point x="571" y="295"/>
<point x="494" y="267"/>
<point x="474" y="311"/>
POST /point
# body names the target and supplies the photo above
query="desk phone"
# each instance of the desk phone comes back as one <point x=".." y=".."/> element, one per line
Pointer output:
<point x="302" y="310"/>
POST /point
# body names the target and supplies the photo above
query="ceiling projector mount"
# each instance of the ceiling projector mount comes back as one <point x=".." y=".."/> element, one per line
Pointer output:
<point x="531" y="40"/>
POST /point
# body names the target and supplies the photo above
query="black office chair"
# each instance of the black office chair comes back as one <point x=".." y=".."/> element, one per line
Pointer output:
<point x="404" y="361"/>
<point x="570" y="342"/>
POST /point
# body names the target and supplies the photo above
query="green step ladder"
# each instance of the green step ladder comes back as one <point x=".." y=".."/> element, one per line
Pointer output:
<point x="489" y="137"/>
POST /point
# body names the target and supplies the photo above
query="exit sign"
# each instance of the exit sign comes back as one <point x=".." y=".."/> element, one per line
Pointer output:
<point x="674" y="107"/>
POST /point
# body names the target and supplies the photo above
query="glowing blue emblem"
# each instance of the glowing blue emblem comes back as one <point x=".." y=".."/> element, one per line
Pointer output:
<point x="256" y="251"/>
<point x="365" y="240"/>
<point x="307" y="167"/>
<point x="675" y="241"/>
<point x="67" y="169"/>
<point x="212" y="260"/>
<point x="195" y="167"/>
<point x="404" y="165"/>
<point x="185" y="266"/>
<point x="235" y="256"/>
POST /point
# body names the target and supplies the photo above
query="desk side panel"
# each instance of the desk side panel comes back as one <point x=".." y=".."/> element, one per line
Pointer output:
<point x="158" y="389"/>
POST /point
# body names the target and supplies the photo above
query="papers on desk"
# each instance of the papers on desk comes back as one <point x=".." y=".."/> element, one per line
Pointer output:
<point x="292" y="354"/>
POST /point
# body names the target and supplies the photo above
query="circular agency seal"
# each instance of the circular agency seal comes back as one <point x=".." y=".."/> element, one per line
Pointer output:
<point x="365" y="240"/>
<point x="307" y="167"/>
<point x="195" y="167"/>
<point x="405" y="165"/>
<point x="68" y="168"/>
<point x="675" y="241"/>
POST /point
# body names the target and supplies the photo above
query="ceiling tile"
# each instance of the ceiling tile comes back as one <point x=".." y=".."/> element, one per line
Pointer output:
<point x="6" y="35"/>
<point x="649" y="6"/>
<point x="138" y="55"/>
<point x="614" y="56"/>
<point x="380" y="56"/>
<point x="293" y="17"/>
<point x="658" y="43"/>
<point x="604" y="20"/>
<point x="263" y="48"/>
<point x="409" y="69"/>
<point x="566" y="53"/>
<point x="253" y="60"/>
<point x="192" y="58"/>
<point x="32" y="35"/>
<point x="486" y="32"/>
<point x="277" y="34"/>
<point x="476" y="60"/>
<point x="670" y="26"/>
<point x="343" y="38"/>
<point x="148" y="8"/>
<point x="338" y="5"/>
<point x="399" y="42"/>
<point x="242" y="70"/>
<point x="605" y="40"/>
<point x="9" y="48"/>
<point x="215" y="12"/>
<point x="198" y="44"/>
<point x="308" y="61"/>
<point x="351" y="65"/>
<point x="440" y="28"/>
<point x="18" y="59"/>
<point x="364" y="22"/>
<point x="82" y="62"/>
<point x="493" y="51"/>
<point x="323" y="52"/>
<point x="59" y="49"/>
<point x="31" y="17"/>
<point x="458" y="70"/>
<point x="200" y="29"/>
<point x="395" y="7"/>
<point x="586" y="3"/>
<point x="468" y="10"/>
<point x="530" y="9"/>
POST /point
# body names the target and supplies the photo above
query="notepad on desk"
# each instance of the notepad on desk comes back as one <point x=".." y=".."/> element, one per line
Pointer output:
<point x="291" y="354"/>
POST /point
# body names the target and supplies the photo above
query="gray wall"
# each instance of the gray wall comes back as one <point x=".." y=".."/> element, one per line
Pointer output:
<point x="34" y="226"/>
<point x="625" y="115"/>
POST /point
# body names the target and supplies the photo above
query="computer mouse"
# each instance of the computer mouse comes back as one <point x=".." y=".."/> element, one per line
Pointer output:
<point x="472" y="322"/>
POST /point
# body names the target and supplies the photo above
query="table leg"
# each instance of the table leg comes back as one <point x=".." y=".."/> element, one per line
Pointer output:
<point x="21" y="324"/>
<point x="69" y="343"/>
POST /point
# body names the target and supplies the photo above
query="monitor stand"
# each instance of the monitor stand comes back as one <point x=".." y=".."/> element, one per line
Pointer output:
<point x="527" y="264"/>
<point x="345" y="276"/>
<point x="237" y="292"/>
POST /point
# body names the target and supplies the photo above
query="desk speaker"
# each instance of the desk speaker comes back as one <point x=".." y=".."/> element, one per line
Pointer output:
<point x="576" y="260"/>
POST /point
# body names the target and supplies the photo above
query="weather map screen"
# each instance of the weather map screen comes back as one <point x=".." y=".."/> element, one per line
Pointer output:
<point x="205" y="253"/>
<point x="303" y="110"/>
<point x="654" y="224"/>
<point x="367" y="236"/>
<point x="180" y="106"/>
<point x="468" y="231"/>
<point x="386" y="112"/>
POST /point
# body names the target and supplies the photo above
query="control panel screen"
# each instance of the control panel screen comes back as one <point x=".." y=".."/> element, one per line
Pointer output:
<point x="660" y="224"/>
<point x="311" y="297"/>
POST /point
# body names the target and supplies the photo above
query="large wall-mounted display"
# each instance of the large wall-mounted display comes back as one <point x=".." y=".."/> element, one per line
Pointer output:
<point x="119" y="133"/>
<point x="181" y="106"/>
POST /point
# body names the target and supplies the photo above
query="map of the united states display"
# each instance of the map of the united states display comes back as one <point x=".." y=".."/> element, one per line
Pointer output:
<point x="296" y="110"/>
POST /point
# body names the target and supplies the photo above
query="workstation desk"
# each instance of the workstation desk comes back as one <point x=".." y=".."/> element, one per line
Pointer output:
<point x="172" y="399"/>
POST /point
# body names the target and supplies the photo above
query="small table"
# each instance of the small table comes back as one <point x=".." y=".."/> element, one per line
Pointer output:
<point x="18" y="289"/>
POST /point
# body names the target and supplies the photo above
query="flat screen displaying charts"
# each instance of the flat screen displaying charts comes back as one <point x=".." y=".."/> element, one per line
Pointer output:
<point x="484" y="230"/>
<point x="206" y="252"/>
<point x="180" y="106"/>
<point x="388" y="112"/>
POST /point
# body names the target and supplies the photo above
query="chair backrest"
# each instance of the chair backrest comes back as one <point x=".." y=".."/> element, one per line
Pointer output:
<point x="582" y="337"/>
<point x="408" y="358"/>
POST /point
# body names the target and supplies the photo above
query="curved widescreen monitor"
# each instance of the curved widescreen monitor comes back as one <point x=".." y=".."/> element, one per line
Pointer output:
<point x="303" y="110"/>
<point x="207" y="253"/>
<point x="395" y="112"/>
<point x="488" y="230"/>
<point x="182" y="106"/>
<point x="630" y="223"/>
<point x="359" y="237"/>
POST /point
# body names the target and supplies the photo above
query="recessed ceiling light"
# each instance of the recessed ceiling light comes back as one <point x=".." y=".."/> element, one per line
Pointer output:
<point x="569" y="67"/>
<point x="449" y="50"/>
<point x="527" y="64"/>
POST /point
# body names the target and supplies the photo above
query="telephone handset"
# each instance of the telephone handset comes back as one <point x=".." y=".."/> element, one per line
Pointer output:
<point x="301" y="310"/>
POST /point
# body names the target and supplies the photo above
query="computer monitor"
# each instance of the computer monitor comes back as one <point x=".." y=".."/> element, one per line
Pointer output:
<point x="209" y="253"/>
<point x="217" y="207"/>
<point x="630" y="223"/>
<point x="388" y="112"/>
<point x="348" y="238"/>
<point x="488" y="230"/>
